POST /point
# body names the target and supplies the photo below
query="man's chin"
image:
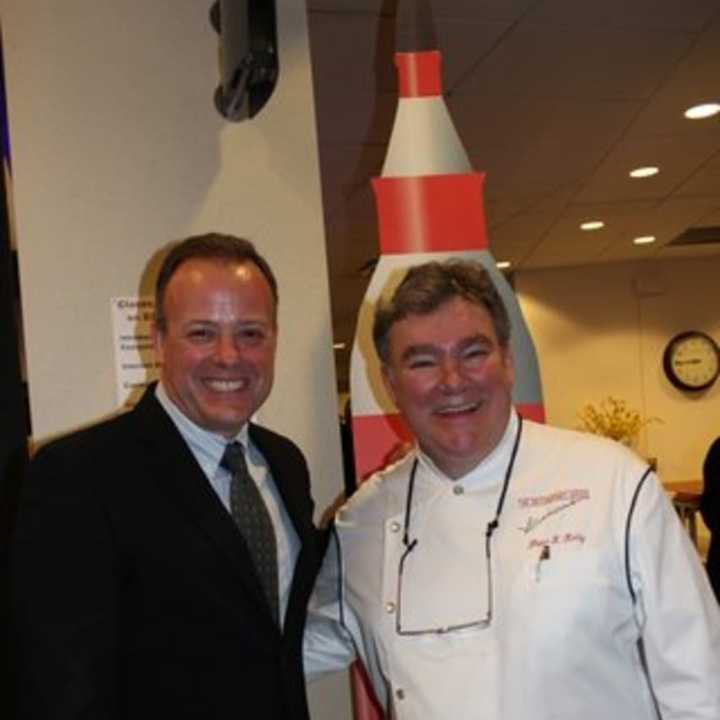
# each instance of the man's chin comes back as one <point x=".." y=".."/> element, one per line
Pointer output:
<point x="227" y="424"/>
<point x="459" y="454"/>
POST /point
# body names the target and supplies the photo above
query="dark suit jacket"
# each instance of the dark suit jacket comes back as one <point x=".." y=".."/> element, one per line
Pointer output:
<point x="710" y="510"/>
<point x="135" y="596"/>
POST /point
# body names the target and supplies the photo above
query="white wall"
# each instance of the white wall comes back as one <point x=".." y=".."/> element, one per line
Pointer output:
<point x="117" y="149"/>
<point x="601" y="330"/>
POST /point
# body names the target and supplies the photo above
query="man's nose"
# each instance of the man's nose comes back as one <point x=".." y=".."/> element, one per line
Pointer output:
<point x="450" y="374"/>
<point x="227" y="351"/>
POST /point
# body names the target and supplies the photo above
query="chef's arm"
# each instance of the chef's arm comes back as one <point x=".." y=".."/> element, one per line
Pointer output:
<point x="676" y="611"/>
<point x="328" y="644"/>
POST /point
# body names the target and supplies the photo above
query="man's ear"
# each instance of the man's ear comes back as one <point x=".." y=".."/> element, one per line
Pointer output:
<point x="388" y="380"/>
<point x="158" y="339"/>
<point x="509" y="362"/>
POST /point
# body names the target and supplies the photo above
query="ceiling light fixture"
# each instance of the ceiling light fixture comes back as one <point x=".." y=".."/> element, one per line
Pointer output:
<point x="503" y="264"/>
<point x="705" y="110"/>
<point x="644" y="172"/>
<point x="592" y="225"/>
<point x="644" y="240"/>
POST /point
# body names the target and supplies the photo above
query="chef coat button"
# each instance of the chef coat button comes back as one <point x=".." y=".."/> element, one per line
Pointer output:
<point x="390" y="607"/>
<point x="458" y="489"/>
<point x="400" y="694"/>
<point x="395" y="526"/>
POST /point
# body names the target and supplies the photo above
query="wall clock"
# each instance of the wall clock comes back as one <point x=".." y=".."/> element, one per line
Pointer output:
<point x="692" y="361"/>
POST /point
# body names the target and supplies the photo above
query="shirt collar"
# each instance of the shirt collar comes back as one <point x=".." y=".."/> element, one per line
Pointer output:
<point x="207" y="447"/>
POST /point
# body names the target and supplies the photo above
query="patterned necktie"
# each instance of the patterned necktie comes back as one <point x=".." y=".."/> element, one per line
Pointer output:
<point x="253" y="520"/>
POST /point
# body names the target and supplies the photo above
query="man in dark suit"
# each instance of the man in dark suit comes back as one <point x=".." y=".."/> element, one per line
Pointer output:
<point x="710" y="511"/>
<point x="140" y="590"/>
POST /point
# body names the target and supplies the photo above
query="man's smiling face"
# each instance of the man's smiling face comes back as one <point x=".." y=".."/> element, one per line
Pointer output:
<point x="452" y="380"/>
<point x="218" y="345"/>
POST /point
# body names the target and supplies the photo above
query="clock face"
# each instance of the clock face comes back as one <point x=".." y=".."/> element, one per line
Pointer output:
<point x="692" y="361"/>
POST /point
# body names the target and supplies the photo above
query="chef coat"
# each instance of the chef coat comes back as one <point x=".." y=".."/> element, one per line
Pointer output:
<point x="591" y="605"/>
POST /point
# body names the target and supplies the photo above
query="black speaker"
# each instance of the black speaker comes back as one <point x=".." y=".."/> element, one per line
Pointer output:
<point x="249" y="66"/>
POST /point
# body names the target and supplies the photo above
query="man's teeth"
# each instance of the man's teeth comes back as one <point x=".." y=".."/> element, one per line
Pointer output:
<point x="226" y="385"/>
<point x="468" y="407"/>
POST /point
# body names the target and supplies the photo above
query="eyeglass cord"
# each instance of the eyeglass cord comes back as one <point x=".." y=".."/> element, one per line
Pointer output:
<point x="493" y="524"/>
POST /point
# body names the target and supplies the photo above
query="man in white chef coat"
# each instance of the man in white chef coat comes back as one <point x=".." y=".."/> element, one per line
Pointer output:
<point x="504" y="569"/>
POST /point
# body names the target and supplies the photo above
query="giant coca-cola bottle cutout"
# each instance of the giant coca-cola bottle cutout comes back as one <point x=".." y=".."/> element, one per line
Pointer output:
<point x="430" y="207"/>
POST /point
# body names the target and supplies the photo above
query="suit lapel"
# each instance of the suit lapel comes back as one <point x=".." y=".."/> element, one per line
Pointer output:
<point x="290" y="480"/>
<point x="285" y="476"/>
<point x="177" y="473"/>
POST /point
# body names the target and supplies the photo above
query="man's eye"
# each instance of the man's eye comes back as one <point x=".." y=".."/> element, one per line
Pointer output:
<point x="200" y="335"/>
<point x="475" y="353"/>
<point x="421" y="363"/>
<point x="252" y="335"/>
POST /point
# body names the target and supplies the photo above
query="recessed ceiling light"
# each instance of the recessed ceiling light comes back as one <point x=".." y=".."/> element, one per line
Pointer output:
<point x="592" y="225"/>
<point x="503" y="264"/>
<point x="643" y="172"/>
<point x="644" y="240"/>
<point x="706" y="110"/>
<point x="339" y="346"/>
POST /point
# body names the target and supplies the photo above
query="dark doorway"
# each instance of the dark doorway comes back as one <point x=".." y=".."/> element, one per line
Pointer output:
<point x="13" y="420"/>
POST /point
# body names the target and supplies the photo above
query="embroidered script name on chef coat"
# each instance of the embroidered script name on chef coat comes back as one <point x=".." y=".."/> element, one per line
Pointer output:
<point x="557" y="539"/>
<point x="560" y="500"/>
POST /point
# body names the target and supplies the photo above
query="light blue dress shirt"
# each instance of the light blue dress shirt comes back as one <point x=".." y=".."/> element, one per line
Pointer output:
<point x="208" y="449"/>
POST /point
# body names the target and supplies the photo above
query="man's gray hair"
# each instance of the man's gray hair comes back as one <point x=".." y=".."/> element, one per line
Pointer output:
<point x="428" y="286"/>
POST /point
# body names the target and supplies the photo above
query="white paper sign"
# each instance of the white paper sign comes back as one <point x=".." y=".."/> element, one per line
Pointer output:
<point x="135" y="365"/>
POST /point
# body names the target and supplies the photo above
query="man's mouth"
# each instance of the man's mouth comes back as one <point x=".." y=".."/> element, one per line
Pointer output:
<point x="226" y="386"/>
<point x="457" y="410"/>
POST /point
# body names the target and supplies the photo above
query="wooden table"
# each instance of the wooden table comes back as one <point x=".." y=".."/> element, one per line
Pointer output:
<point x="685" y="497"/>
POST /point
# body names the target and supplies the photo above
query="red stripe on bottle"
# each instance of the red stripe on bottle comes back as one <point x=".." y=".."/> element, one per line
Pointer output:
<point x="430" y="213"/>
<point x="376" y="438"/>
<point x="532" y="411"/>
<point x="365" y="704"/>
<point x="419" y="74"/>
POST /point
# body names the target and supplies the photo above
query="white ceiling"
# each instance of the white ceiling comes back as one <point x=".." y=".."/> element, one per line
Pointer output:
<point x="556" y="100"/>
